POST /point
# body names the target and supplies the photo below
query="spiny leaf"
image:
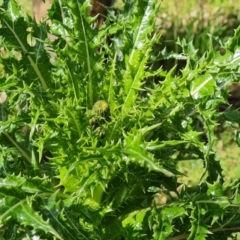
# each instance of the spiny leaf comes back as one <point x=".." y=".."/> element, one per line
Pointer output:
<point x="138" y="56"/>
<point x="35" y="57"/>
<point x="164" y="221"/>
<point x="22" y="211"/>
<point x="135" y="150"/>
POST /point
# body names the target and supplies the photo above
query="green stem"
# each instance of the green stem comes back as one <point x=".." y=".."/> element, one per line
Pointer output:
<point x="24" y="154"/>
<point x="76" y="122"/>
<point x="90" y="85"/>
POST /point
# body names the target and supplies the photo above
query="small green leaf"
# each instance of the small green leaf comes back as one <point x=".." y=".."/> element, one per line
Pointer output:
<point x="68" y="180"/>
<point x="202" y="86"/>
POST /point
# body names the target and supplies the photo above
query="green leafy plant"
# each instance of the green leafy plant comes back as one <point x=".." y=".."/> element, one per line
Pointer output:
<point x="91" y="133"/>
<point x="194" y="21"/>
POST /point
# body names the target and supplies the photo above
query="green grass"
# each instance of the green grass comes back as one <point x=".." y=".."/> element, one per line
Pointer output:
<point x="228" y="153"/>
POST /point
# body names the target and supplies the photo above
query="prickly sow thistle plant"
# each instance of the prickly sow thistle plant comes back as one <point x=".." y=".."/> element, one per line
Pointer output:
<point x="91" y="133"/>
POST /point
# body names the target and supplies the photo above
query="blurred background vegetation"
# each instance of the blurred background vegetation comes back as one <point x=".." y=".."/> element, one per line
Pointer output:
<point x="193" y="20"/>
